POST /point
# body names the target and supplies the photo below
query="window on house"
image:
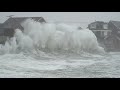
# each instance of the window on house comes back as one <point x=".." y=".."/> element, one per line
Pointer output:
<point x="105" y="33"/>
<point x="93" y="26"/>
<point x="105" y="26"/>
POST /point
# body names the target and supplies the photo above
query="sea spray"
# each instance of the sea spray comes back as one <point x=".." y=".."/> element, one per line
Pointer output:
<point x="50" y="37"/>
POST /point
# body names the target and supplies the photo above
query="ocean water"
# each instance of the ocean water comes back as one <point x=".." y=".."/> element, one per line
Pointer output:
<point x="57" y="66"/>
<point x="56" y="51"/>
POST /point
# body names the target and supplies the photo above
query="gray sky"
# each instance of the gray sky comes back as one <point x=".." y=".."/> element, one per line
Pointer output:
<point x="83" y="17"/>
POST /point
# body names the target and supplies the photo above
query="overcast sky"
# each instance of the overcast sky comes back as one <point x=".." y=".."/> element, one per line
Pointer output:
<point x="66" y="16"/>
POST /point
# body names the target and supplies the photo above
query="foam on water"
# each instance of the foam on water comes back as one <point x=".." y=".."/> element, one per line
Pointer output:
<point x="50" y="37"/>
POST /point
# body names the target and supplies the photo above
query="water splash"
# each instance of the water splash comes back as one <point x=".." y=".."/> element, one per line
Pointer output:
<point x="50" y="37"/>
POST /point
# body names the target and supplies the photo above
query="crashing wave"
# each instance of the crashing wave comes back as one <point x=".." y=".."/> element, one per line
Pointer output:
<point x="50" y="37"/>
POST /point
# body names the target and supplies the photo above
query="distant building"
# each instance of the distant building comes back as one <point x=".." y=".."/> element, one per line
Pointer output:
<point x="7" y="28"/>
<point x="100" y="29"/>
<point x="15" y="22"/>
<point x="115" y="27"/>
<point x="113" y="41"/>
<point x="98" y="25"/>
<point x="107" y="33"/>
<point x="5" y="33"/>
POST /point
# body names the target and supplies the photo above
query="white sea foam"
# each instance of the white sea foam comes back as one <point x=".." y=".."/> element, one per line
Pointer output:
<point x="51" y="37"/>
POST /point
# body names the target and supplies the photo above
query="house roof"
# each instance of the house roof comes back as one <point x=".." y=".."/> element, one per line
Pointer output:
<point x="101" y="22"/>
<point x="20" y="19"/>
<point x="116" y="23"/>
<point x="15" y="22"/>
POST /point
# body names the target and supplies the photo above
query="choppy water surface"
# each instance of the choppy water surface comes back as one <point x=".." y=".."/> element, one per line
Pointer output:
<point x="58" y="66"/>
